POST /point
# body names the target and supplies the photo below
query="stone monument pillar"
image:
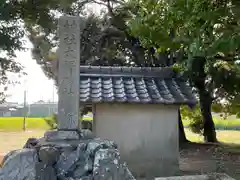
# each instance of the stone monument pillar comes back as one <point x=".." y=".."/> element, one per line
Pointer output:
<point x="68" y="80"/>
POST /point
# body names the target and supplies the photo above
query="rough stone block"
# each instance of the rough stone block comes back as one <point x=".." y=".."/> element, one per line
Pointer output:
<point x="87" y="134"/>
<point x="83" y="159"/>
<point x="31" y="143"/>
<point x="97" y="143"/>
<point x="20" y="165"/>
<point x="1" y="174"/>
<point x="45" y="172"/>
<point x="66" y="161"/>
<point x="84" y="165"/>
<point x="107" y="166"/>
<point x="8" y="155"/>
<point x="48" y="155"/>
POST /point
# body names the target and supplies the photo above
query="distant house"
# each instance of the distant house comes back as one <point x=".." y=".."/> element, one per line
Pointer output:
<point x="138" y="109"/>
<point x="9" y="108"/>
<point x="39" y="109"/>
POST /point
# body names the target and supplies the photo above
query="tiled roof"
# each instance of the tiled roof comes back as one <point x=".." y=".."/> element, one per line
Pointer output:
<point x="133" y="85"/>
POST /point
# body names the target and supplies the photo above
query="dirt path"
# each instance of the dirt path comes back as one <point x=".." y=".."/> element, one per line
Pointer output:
<point x="200" y="159"/>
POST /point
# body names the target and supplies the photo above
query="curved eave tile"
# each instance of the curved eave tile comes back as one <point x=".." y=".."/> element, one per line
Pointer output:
<point x="135" y="90"/>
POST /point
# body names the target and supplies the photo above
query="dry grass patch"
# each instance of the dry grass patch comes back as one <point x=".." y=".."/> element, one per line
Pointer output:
<point x="223" y="136"/>
<point x="15" y="140"/>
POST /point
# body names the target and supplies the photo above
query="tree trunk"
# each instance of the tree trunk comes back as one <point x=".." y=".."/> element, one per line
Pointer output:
<point x="198" y="77"/>
<point x="182" y="135"/>
<point x="209" y="132"/>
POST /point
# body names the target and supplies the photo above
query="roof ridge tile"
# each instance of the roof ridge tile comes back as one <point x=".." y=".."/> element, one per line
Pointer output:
<point x="128" y="70"/>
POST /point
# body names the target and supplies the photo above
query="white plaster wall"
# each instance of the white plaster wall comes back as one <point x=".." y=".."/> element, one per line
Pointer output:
<point x="147" y="135"/>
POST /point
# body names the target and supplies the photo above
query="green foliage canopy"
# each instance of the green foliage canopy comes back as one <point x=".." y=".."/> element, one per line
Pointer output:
<point x="193" y="28"/>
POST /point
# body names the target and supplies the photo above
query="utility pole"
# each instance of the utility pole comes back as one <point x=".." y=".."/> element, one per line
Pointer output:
<point x="24" y="110"/>
<point x="24" y="104"/>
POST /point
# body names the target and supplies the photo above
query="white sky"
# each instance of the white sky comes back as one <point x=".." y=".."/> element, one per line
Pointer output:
<point x="37" y="85"/>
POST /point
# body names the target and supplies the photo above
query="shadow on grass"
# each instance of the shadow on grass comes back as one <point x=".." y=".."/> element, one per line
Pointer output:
<point x="202" y="158"/>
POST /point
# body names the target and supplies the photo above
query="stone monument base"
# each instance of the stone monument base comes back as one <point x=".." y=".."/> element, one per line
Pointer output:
<point x="76" y="159"/>
<point x="62" y="135"/>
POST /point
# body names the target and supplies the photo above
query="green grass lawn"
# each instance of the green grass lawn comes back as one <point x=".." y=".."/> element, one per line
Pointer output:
<point x="16" y="123"/>
<point x="221" y="124"/>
